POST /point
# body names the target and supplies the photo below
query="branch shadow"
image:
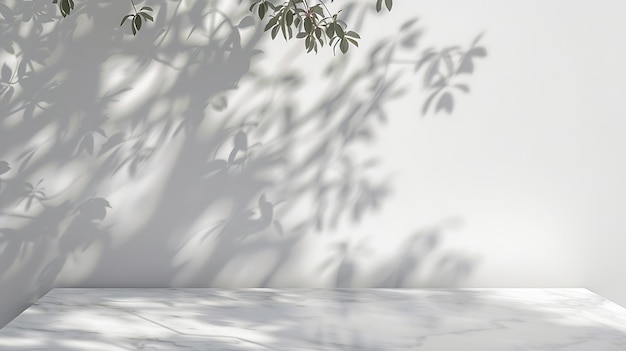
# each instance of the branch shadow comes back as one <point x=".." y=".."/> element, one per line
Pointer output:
<point x="211" y="157"/>
<point x="421" y="260"/>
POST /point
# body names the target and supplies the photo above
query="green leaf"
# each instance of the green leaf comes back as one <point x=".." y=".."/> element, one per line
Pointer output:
<point x="271" y="23"/>
<point x="318" y="33"/>
<point x="289" y="18"/>
<point x="389" y="4"/>
<point x="318" y="10"/>
<point x="330" y="30"/>
<point x="65" y="7"/>
<point x="125" y="18"/>
<point x="283" y="27"/>
<point x="146" y="16"/>
<point x="344" y="46"/>
<point x="146" y="8"/>
<point x="379" y="5"/>
<point x="353" y="34"/>
<point x="275" y="31"/>
<point x="262" y="10"/>
<point x="137" y="22"/>
<point x="308" y="25"/>
<point x="339" y="31"/>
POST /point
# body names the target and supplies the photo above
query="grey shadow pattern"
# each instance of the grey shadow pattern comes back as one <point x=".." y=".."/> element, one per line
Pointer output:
<point x="74" y="104"/>
<point x="319" y="319"/>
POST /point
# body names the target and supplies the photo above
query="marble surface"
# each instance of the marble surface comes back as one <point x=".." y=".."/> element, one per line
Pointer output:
<point x="318" y="319"/>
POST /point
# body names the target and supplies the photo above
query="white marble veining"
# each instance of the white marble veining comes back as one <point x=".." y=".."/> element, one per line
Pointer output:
<point x="319" y="319"/>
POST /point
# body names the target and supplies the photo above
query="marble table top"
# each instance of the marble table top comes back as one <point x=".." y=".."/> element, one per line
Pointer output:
<point x="319" y="319"/>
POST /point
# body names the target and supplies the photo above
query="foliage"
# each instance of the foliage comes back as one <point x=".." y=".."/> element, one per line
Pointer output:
<point x="316" y="24"/>
<point x="137" y="18"/>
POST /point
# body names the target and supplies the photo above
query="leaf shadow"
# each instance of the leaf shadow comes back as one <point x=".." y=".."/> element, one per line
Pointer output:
<point x="232" y="145"/>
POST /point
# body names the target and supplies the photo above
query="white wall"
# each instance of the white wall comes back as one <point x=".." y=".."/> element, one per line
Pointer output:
<point x="518" y="187"/>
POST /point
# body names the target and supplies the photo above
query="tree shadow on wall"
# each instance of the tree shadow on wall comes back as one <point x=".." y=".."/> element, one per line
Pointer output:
<point x="421" y="259"/>
<point x="169" y="158"/>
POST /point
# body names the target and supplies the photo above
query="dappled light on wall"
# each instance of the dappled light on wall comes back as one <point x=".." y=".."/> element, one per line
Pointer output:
<point x="176" y="157"/>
